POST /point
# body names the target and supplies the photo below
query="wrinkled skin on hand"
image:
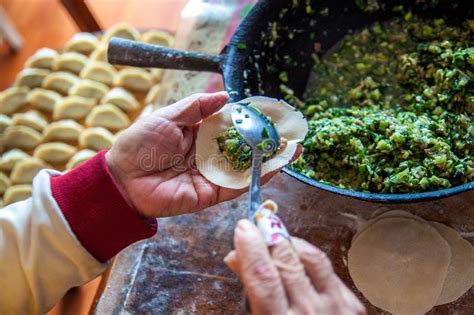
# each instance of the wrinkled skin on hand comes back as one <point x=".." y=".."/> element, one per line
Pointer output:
<point x="153" y="161"/>
<point x="288" y="278"/>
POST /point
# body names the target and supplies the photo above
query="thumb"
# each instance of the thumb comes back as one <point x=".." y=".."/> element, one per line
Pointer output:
<point x="194" y="108"/>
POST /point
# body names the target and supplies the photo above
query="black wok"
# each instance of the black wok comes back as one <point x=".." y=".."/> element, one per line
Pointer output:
<point x="251" y="62"/>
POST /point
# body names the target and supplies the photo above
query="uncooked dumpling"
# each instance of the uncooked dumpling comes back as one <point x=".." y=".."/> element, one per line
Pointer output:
<point x="43" y="100"/>
<point x="107" y="116"/>
<point x="10" y="158"/>
<point x="73" y="107"/>
<point x="5" y="182"/>
<point x="21" y="137"/>
<point x="5" y="122"/>
<point x="289" y="123"/>
<point x="31" y="77"/>
<point x="60" y="81"/>
<point x="70" y="61"/>
<point x="26" y="169"/>
<point x="32" y="119"/>
<point x="79" y="158"/>
<point x="99" y="71"/>
<point x="83" y="43"/>
<point x="100" y="53"/>
<point x="134" y="79"/>
<point x="157" y="37"/>
<point x="66" y="130"/>
<point x="153" y="94"/>
<point x="54" y="152"/>
<point x="96" y="139"/>
<point x="13" y="99"/>
<point x="42" y="58"/>
<point x="122" y="99"/>
<point x="460" y="276"/>
<point x="89" y="88"/>
<point x="121" y="30"/>
<point x="400" y="264"/>
<point x="17" y="193"/>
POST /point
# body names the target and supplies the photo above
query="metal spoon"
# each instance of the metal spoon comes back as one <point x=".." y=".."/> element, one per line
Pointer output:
<point x="260" y="134"/>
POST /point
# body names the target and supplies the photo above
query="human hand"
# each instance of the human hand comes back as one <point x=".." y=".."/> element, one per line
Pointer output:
<point x="288" y="278"/>
<point x="153" y="161"/>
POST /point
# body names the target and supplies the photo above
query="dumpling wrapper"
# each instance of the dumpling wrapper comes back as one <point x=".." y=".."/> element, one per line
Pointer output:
<point x="5" y="122"/>
<point x="31" y="77"/>
<point x="289" y="123"/>
<point x="21" y="137"/>
<point x="31" y="119"/>
<point x="70" y="61"/>
<point x="460" y="275"/>
<point x="100" y="53"/>
<point x="79" y="158"/>
<point x="17" y="193"/>
<point x="5" y="182"/>
<point x="122" y="99"/>
<point x="43" y="100"/>
<point x="13" y="99"/>
<point x="157" y="37"/>
<point x="121" y="30"/>
<point x="42" y="58"/>
<point x="60" y="81"/>
<point x="153" y="94"/>
<point x="96" y="139"/>
<point x="89" y="88"/>
<point x="25" y="170"/>
<point x="400" y="264"/>
<point x="66" y="130"/>
<point x="134" y="79"/>
<point x="99" y="71"/>
<point x="83" y="43"/>
<point x="107" y="116"/>
<point x="54" y="152"/>
<point x="10" y="158"/>
<point x="73" y="107"/>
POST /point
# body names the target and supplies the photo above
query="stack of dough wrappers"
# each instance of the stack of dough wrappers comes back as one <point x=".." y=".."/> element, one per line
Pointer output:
<point x="66" y="105"/>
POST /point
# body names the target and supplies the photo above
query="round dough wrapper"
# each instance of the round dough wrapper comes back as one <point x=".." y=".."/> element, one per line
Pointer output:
<point x="100" y="53"/>
<point x="157" y="37"/>
<point x="21" y="137"/>
<point x="5" y="182"/>
<point x="399" y="265"/>
<point x="31" y="77"/>
<point x="289" y="123"/>
<point x="5" y="122"/>
<point x="70" y="61"/>
<point x="42" y="58"/>
<point x="99" y="71"/>
<point x="32" y="119"/>
<point x="43" y="100"/>
<point x="79" y="158"/>
<point x="122" y="99"/>
<point x="54" y="152"/>
<point x="17" y="193"/>
<point x="10" y="158"/>
<point x="83" y="43"/>
<point x="25" y="170"/>
<point x="153" y="94"/>
<point x="13" y="99"/>
<point x="134" y="79"/>
<point x="66" y="130"/>
<point x="60" y="81"/>
<point x="107" y="116"/>
<point x="89" y="88"/>
<point x="460" y="276"/>
<point x="96" y="139"/>
<point x="121" y="30"/>
<point x="73" y="107"/>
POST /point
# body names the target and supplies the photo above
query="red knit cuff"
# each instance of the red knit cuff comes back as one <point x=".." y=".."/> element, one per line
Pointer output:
<point x="96" y="211"/>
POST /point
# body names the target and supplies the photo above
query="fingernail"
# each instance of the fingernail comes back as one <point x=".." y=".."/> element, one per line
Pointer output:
<point x="244" y="225"/>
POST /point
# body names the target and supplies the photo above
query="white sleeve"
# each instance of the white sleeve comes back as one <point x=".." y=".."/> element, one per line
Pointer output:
<point x="40" y="257"/>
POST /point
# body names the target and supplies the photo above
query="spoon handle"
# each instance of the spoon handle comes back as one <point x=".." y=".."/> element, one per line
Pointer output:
<point x="254" y="193"/>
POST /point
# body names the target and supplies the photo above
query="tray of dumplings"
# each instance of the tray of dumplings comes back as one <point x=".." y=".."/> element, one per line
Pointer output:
<point x="68" y="104"/>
